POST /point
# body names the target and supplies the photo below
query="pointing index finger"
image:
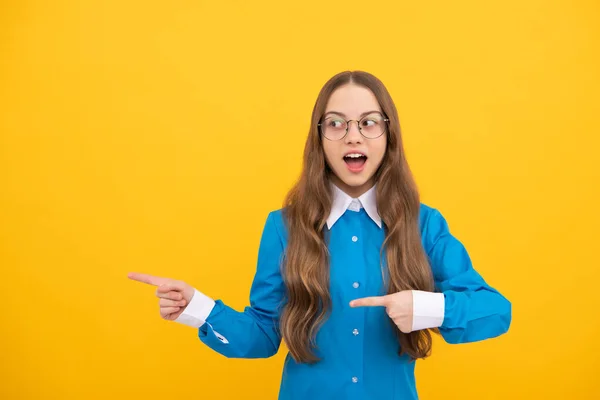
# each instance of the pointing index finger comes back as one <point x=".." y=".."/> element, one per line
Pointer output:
<point x="149" y="279"/>
<point x="374" y="301"/>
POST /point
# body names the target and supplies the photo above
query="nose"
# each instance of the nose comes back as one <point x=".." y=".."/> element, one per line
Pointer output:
<point x="354" y="135"/>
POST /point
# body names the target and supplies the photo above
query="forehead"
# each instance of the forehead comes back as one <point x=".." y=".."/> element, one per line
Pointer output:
<point x="352" y="100"/>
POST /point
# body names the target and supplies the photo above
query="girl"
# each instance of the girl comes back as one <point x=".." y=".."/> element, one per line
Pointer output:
<point x="353" y="273"/>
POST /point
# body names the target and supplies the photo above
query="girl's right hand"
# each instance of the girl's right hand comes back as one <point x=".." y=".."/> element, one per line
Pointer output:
<point x="173" y="295"/>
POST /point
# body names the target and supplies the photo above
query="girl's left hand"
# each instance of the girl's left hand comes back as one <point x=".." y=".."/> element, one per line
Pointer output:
<point x="399" y="307"/>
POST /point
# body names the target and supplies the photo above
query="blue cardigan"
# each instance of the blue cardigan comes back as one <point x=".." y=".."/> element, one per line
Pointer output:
<point x="357" y="346"/>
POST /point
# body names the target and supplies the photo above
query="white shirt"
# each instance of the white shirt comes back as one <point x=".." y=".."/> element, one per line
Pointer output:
<point x="428" y="307"/>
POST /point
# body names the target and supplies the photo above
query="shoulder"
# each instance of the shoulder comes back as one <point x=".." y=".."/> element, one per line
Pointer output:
<point x="276" y="224"/>
<point x="427" y="214"/>
<point x="432" y="224"/>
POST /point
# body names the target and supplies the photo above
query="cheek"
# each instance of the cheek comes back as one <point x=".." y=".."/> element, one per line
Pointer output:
<point x="330" y="151"/>
<point x="377" y="151"/>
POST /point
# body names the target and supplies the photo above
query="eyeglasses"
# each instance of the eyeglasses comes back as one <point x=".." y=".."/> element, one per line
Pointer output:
<point x="371" y="126"/>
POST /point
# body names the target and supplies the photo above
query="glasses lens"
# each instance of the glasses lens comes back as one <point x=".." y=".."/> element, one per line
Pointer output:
<point x="334" y="128"/>
<point x="372" y="126"/>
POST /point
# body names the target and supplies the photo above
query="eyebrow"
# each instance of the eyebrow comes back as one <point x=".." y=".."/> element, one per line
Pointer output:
<point x="344" y="115"/>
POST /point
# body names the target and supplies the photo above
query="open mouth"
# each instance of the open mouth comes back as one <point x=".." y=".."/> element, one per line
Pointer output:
<point x="355" y="161"/>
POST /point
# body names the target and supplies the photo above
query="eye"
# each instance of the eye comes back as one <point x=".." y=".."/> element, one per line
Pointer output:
<point x="371" y="121"/>
<point x="335" y="123"/>
<point x="368" y="122"/>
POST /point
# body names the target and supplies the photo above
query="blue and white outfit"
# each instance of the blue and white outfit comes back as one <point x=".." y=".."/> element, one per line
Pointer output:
<point x="358" y="347"/>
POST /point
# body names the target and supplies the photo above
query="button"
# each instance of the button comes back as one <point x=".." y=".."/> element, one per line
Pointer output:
<point x="355" y="285"/>
<point x="354" y="238"/>
<point x="354" y="379"/>
<point x="355" y="332"/>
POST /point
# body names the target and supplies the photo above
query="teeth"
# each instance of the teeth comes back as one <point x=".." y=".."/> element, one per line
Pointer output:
<point x="354" y="155"/>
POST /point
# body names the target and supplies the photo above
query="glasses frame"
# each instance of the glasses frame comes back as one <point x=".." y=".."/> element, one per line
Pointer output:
<point x="385" y="128"/>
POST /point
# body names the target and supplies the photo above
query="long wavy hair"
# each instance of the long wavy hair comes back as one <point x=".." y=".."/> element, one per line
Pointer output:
<point x="306" y="207"/>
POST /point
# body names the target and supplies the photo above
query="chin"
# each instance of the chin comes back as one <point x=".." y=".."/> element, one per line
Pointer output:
<point x="355" y="181"/>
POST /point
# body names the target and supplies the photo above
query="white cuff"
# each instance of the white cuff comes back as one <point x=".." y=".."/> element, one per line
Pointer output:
<point x="428" y="310"/>
<point x="197" y="310"/>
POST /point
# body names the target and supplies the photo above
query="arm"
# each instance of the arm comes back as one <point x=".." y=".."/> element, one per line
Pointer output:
<point x="472" y="310"/>
<point x="253" y="333"/>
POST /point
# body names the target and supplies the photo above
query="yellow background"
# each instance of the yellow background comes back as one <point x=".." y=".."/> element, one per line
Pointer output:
<point x="156" y="136"/>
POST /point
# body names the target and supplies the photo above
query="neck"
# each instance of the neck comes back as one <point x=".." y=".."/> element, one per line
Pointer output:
<point x="353" y="191"/>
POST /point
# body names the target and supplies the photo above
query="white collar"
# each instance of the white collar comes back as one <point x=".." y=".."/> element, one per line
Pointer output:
<point x="342" y="202"/>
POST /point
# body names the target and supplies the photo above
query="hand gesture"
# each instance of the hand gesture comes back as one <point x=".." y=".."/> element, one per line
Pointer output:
<point x="398" y="306"/>
<point x="173" y="295"/>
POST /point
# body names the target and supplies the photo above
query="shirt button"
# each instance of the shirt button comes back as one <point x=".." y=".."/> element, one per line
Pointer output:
<point x="355" y="332"/>
<point x="354" y="379"/>
<point x="355" y="285"/>
<point x="354" y="238"/>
